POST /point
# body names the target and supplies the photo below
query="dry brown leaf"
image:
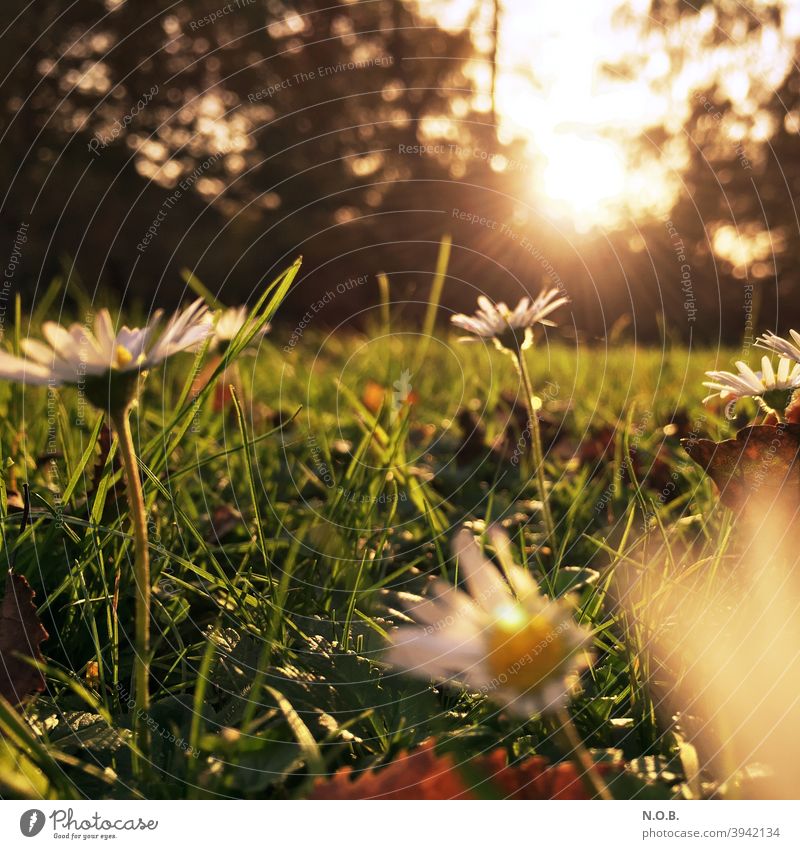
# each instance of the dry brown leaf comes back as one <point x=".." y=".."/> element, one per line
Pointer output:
<point x="223" y="520"/>
<point x="223" y="398"/>
<point x="757" y="470"/>
<point x="422" y="774"/>
<point x="792" y="413"/>
<point x="21" y="633"/>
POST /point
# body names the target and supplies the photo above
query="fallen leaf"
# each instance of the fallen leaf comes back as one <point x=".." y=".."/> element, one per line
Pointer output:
<point x="473" y="439"/>
<point x="21" y="632"/>
<point x="222" y="397"/>
<point x="792" y="413"/>
<point x="757" y="475"/>
<point x="758" y="469"/>
<point x="512" y="415"/>
<point x="421" y="435"/>
<point x="598" y="448"/>
<point x="223" y="519"/>
<point x="373" y="396"/>
<point x="92" y="674"/>
<point x="658" y="474"/>
<point x="422" y="774"/>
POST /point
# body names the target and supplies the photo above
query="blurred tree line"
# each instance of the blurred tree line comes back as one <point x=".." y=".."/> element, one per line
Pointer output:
<point x="735" y="219"/>
<point x="142" y="138"/>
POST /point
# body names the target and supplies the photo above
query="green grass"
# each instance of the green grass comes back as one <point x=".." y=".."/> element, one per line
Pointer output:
<point x="268" y="631"/>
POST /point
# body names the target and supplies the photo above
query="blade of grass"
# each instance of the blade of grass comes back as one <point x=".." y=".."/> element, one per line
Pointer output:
<point x="199" y="288"/>
<point x="435" y="297"/>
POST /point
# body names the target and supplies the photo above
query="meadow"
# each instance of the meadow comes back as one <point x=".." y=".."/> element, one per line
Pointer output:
<point x="295" y="507"/>
<point x="493" y="496"/>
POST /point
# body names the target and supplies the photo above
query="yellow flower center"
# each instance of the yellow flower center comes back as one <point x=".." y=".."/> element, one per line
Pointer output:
<point x="525" y="651"/>
<point x="122" y="356"/>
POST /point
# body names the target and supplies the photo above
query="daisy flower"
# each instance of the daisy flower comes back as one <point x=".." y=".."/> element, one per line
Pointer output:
<point x="503" y="639"/>
<point x="781" y="346"/>
<point x="230" y="322"/>
<point x="512" y="333"/>
<point x="510" y="328"/>
<point x="80" y="355"/>
<point x="106" y="365"/>
<point x="751" y="384"/>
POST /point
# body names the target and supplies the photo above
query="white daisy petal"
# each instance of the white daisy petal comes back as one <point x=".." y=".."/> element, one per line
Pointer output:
<point x="485" y="583"/>
<point x="767" y="373"/>
<point x="85" y="351"/>
<point x="457" y="602"/>
<point x="71" y="354"/>
<point x="470" y="324"/>
<point x="783" y="370"/>
<point x="496" y="320"/>
<point x="486" y="305"/>
<point x="521" y="582"/>
<point x="24" y="371"/>
<point x="37" y="351"/>
<point x="775" y="343"/>
<point x="184" y="332"/>
<point x="231" y="322"/>
<point x="748" y="383"/>
<point x="748" y="374"/>
<point x="59" y="339"/>
<point x="433" y="655"/>
<point x="104" y="332"/>
<point x="438" y="617"/>
<point x="521" y="309"/>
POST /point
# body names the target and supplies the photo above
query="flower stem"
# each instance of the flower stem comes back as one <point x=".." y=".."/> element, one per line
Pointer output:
<point x="568" y="735"/>
<point x="536" y="446"/>
<point x="141" y="661"/>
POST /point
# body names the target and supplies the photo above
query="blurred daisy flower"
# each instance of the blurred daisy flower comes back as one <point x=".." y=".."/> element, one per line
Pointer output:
<point x="80" y="355"/>
<point x="510" y="329"/>
<point x="754" y="384"/>
<point x="229" y="324"/>
<point x="503" y="639"/>
<point x="781" y="346"/>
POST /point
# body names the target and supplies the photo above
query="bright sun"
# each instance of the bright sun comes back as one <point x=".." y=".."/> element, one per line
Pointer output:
<point x="584" y="178"/>
<point x="561" y="85"/>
